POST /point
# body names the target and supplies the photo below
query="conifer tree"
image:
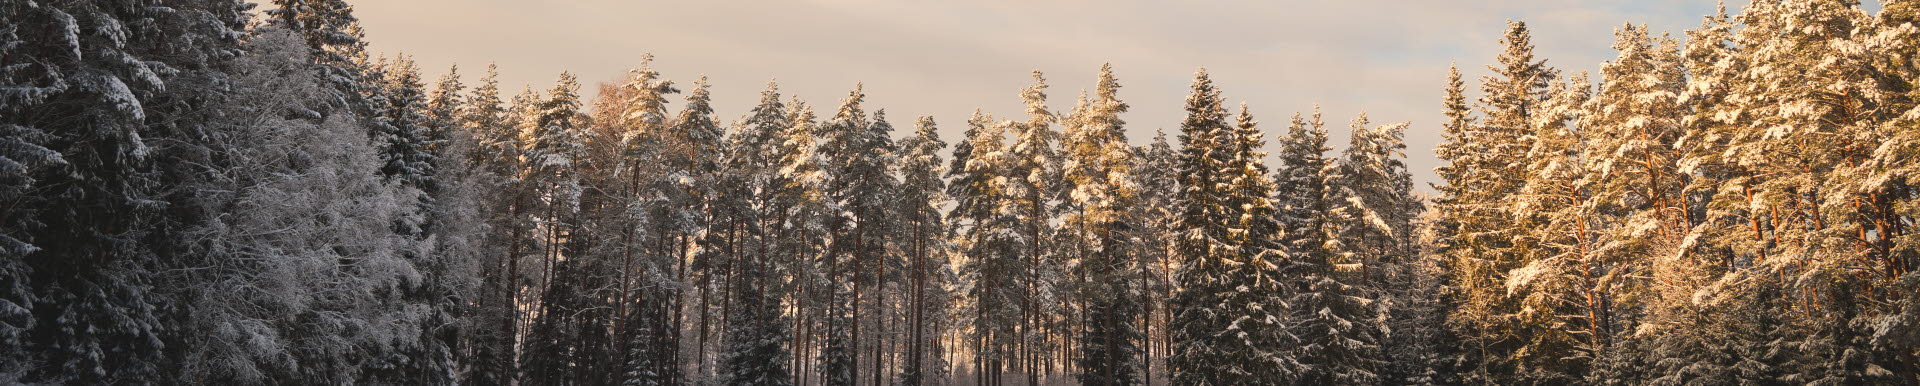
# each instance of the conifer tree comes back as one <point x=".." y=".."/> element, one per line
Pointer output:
<point x="88" y="93"/>
<point x="758" y="332"/>
<point x="922" y="194"/>
<point x="1099" y="177"/>
<point x="1201" y="355"/>
<point x="1378" y="188"/>
<point x="986" y="231"/>
<point x="554" y="147"/>
<point x="1254" y="289"/>
<point x="335" y="41"/>
<point x="1560" y="287"/>
<point x="1031" y="182"/>
<point x="1802" y="181"/>
<point x="1476" y="230"/>
<point x="1158" y="187"/>
<point x="856" y="156"/>
<point x="495" y="158"/>
<point x="1336" y="314"/>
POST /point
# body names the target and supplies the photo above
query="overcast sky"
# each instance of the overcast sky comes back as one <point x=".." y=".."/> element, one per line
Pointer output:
<point x="946" y="58"/>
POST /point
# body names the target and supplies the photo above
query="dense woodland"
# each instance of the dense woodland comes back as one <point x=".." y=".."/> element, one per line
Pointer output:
<point x="199" y="192"/>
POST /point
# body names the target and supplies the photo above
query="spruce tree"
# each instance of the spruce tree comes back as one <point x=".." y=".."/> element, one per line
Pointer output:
<point x="1380" y="189"/>
<point x="1476" y="230"/>
<point x="1201" y="355"/>
<point x="1336" y="308"/>
<point x="1158" y="182"/>
<point x="1254" y="289"/>
<point x="335" y="41"/>
<point x="495" y="158"/>
<point x="91" y="91"/>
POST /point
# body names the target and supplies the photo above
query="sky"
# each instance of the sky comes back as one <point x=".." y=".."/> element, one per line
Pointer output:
<point x="946" y="58"/>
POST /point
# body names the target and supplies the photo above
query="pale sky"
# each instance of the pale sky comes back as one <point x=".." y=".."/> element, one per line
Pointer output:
<point x="946" y="58"/>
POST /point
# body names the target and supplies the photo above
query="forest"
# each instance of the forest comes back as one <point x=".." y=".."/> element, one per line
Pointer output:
<point x="216" y="192"/>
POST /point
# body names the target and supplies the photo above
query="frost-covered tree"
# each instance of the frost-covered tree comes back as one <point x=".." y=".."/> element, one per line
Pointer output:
<point x="1336" y="314"/>
<point x="1378" y="189"/>
<point x="307" y="300"/>
<point x="1098" y="175"/>
<point x="986" y="232"/>
<point x="758" y="330"/>
<point x="554" y="147"/>
<point x="856" y="154"/>
<point x="1032" y="184"/>
<point x="335" y="42"/>
<point x="1823" y="226"/>
<point x="1561" y="285"/>
<point x="1202" y="354"/>
<point x="492" y="317"/>
<point x="1255" y="290"/>
<point x="88" y="92"/>
<point x="922" y="195"/>
<point x="1156" y="176"/>
<point x="1475" y="231"/>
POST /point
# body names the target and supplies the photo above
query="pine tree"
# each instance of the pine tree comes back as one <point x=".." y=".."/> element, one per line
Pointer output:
<point x="495" y="159"/>
<point x="922" y="194"/>
<point x="986" y="232"/>
<point x="855" y="153"/>
<point x="1803" y="141"/>
<point x="1099" y="177"/>
<point x="1898" y="35"/>
<point x="1564" y="306"/>
<point x="1032" y="170"/>
<point x="554" y="146"/>
<point x="455" y="220"/>
<point x="758" y="332"/>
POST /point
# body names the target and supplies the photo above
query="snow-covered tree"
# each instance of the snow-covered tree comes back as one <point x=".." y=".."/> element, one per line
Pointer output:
<point x="492" y="317"/>
<point x="922" y="195"/>
<point x="307" y="300"/>
<point x="758" y="331"/>
<point x="88" y="92"/>
<point x="1098" y="175"/>
<point x="1336" y="309"/>
<point x="1475" y="231"/>
<point x="1205" y="249"/>
<point x="554" y="147"/>
<point x="335" y="42"/>
<point x="1155" y="173"/>
<point x="1032" y="184"/>
<point x="1378" y="189"/>
<point x="856" y="154"/>
<point x="985" y="231"/>
<point x="1561" y="285"/>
